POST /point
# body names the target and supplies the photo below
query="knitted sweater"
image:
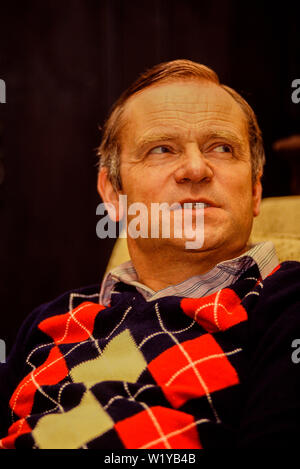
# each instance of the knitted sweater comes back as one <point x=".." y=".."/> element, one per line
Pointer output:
<point x="208" y="372"/>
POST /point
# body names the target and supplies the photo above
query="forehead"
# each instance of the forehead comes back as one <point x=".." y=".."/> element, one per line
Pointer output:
<point x="186" y="105"/>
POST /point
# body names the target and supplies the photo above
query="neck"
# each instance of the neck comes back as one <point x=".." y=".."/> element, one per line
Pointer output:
<point x="158" y="269"/>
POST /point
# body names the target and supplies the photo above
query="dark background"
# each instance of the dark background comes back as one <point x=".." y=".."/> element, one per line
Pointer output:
<point x="64" y="63"/>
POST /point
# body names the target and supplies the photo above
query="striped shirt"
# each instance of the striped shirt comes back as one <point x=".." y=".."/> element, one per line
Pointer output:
<point x="222" y="275"/>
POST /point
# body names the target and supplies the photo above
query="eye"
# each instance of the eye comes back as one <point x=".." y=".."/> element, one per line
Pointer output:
<point x="160" y="150"/>
<point x="223" y="149"/>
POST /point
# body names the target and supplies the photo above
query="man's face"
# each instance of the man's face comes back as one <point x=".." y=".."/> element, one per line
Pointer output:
<point x="188" y="141"/>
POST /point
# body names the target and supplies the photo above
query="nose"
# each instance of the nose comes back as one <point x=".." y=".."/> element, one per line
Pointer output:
<point x="193" y="167"/>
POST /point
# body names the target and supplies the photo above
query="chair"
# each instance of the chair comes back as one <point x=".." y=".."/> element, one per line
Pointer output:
<point x="279" y="221"/>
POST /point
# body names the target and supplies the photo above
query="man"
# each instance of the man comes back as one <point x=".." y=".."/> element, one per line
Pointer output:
<point x="180" y="348"/>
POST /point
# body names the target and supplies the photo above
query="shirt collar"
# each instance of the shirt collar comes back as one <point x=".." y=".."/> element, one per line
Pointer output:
<point x="220" y="276"/>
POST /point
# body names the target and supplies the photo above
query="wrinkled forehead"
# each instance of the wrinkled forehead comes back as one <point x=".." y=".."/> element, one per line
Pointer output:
<point x="193" y="102"/>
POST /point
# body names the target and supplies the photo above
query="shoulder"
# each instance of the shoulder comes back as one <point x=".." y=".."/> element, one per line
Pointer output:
<point x="30" y="336"/>
<point x="279" y="291"/>
<point x="286" y="269"/>
<point x="274" y="306"/>
<point x="67" y="302"/>
<point x="58" y="306"/>
<point x="31" y="332"/>
<point x="283" y="282"/>
<point x="272" y="378"/>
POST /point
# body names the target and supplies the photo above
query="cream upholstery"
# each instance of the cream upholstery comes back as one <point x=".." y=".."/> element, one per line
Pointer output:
<point x="119" y="254"/>
<point x="279" y="221"/>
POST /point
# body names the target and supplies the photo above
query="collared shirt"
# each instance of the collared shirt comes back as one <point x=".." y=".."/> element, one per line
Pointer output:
<point x="222" y="275"/>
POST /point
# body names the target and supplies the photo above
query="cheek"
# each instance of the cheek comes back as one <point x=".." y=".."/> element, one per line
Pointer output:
<point x="245" y="206"/>
<point x="142" y="185"/>
<point x="243" y="203"/>
<point x="238" y="193"/>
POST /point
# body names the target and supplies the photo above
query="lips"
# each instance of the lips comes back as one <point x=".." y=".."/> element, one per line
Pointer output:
<point x="198" y="203"/>
<point x="192" y="204"/>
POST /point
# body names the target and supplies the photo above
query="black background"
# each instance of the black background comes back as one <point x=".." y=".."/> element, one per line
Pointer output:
<point x="65" y="63"/>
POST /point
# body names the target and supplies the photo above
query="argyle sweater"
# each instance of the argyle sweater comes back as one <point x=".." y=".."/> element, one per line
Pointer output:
<point x="210" y="372"/>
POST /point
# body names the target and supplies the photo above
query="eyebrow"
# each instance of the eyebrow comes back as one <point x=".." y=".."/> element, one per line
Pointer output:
<point x="156" y="137"/>
<point x="171" y="136"/>
<point x="227" y="135"/>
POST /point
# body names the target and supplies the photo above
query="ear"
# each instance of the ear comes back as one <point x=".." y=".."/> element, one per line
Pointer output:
<point x="109" y="195"/>
<point x="257" y="195"/>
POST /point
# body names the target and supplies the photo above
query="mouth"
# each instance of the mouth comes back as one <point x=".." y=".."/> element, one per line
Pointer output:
<point x="195" y="204"/>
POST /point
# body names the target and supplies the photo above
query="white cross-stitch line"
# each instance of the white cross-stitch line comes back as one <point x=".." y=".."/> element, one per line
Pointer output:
<point x="61" y="390"/>
<point x="214" y="305"/>
<point x="112" y="399"/>
<point x="188" y="358"/>
<point x="196" y="362"/>
<point x="147" y="386"/>
<point x="80" y="295"/>
<point x="163" y="332"/>
<point x="45" y="394"/>
<point x="175" y="433"/>
<point x="155" y="422"/>
<point x="44" y="368"/>
<point x="124" y="316"/>
<point x="32" y="376"/>
<point x="21" y="423"/>
<point x="251" y="293"/>
<point x="54" y="409"/>
<point x="60" y="340"/>
<point x="216" y="309"/>
<point x="151" y="415"/>
<point x="254" y="278"/>
<point x="125" y="385"/>
<point x="72" y="315"/>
